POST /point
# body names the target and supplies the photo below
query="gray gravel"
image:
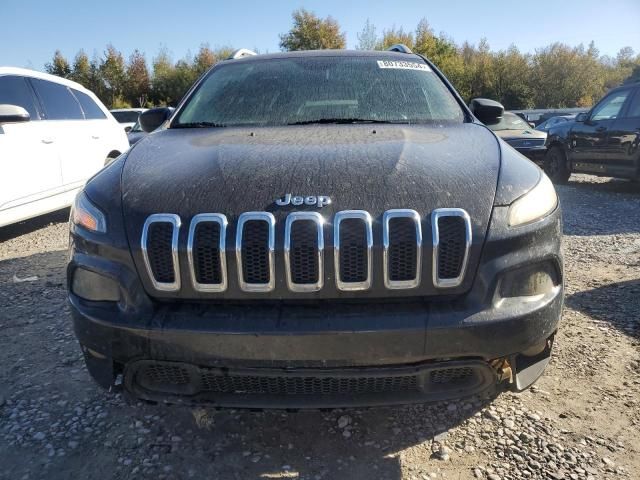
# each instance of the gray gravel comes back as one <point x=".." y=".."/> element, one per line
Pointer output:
<point x="581" y="421"/>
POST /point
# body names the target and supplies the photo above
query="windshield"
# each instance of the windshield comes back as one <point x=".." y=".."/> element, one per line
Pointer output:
<point x="126" y="117"/>
<point x="509" y="121"/>
<point x="319" y="90"/>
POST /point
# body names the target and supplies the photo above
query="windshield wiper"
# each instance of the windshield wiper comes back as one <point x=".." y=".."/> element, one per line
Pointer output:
<point x="341" y="121"/>
<point x="198" y="125"/>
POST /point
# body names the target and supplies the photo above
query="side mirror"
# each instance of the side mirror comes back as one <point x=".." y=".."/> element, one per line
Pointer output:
<point x="154" y="117"/>
<point x="532" y="125"/>
<point x="127" y="129"/>
<point x="582" y="117"/>
<point x="487" y="111"/>
<point x="13" y="114"/>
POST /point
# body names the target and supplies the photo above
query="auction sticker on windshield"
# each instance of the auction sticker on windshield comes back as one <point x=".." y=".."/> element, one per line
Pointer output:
<point x="403" y="65"/>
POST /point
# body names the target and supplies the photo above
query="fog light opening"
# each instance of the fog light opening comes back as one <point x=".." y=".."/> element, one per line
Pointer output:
<point x="532" y="281"/>
<point x="94" y="287"/>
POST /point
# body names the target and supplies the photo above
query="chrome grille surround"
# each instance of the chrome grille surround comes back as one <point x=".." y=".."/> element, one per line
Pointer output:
<point x="386" y="220"/>
<point x="221" y="220"/>
<point x="171" y="264"/>
<point x="318" y="220"/>
<point x="271" y="222"/>
<point x="436" y="215"/>
<point x="366" y="219"/>
<point x="175" y="221"/>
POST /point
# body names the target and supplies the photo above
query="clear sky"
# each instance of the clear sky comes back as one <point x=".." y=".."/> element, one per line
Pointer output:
<point x="33" y="29"/>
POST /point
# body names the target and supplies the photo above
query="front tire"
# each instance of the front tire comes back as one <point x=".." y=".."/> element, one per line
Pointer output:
<point x="556" y="166"/>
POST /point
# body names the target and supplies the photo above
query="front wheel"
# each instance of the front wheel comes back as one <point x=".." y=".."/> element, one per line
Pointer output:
<point x="556" y="166"/>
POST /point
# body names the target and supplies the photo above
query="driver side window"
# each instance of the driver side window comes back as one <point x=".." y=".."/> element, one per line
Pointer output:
<point x="610" y="107"/>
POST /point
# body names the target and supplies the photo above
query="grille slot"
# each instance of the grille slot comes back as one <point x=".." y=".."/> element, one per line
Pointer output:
<point x="206" y="252"/>
<point x="402" y="236"/>
<point x="160" y="250"/>
<point x="451" y="240"/>
<point x="353" y="239"/>
<point x="255" y="241"/>
<point x="304" y="251"/>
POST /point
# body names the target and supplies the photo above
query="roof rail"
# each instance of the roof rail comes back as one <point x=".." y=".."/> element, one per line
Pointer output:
<point x="241" y="52"/>
<point x="400" y="48"/>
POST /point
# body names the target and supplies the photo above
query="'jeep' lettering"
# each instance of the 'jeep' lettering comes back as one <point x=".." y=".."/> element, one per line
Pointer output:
<point x="311" y="200"/>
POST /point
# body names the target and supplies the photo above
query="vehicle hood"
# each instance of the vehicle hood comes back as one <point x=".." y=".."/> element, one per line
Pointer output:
<point x="373" y="168"/>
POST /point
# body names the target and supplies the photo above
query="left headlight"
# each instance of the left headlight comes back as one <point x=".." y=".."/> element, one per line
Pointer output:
<point x="87" y="215"/>
<point x="540" y="201"/>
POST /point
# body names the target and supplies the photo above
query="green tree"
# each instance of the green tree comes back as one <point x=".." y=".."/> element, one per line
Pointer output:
<point x="511" y="81"/>
<point x="113" y="74"/>
<point x="204" y="60"/>
<point x="367" y="38"/>
<point x="59" y="66"/>
<point x="81" y="70"/>
<point x="163" y="73"/>
<point x="138" y="83"/>
<point x="442" y="51"/>
<point x="635" y="75"/>
<point x="310" y="32"/>
<point x="393" y="36"/>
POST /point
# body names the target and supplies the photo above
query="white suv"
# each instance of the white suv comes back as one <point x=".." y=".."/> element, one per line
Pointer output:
<point x="54" y="135"/>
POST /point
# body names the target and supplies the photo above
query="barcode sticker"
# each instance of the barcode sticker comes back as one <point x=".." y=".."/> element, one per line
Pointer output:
<point x="403" y="65"/>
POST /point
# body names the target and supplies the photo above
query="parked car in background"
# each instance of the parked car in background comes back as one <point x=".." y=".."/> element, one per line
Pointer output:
<point x="547" y="124"/>
<point x="137" y="133"/>
<point x="54" y="135"/>
<point x="538" y="115"/>
<point x="127" y="117"/>
<point x="604" y="141"/>
<point x="520" y="135"/>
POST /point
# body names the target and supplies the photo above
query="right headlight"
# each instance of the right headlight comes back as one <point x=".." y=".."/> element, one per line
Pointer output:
<point x="540" y="201"/>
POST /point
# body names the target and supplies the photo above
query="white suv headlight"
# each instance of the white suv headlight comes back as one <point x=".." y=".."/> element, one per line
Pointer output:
<point x="540" y="201"/>
<point x="86" y="214"/>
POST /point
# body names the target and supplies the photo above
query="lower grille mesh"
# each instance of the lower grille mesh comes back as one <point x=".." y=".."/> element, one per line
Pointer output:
<point x="452" y="246"/>
<point x="451" y="375"/>
<point x="188" y="379"/>
<point x="257" y="385"/>
<point x="159" y="251"/>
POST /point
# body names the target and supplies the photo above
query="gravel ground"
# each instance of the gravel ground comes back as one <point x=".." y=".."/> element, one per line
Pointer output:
<point x="580" y="421"/>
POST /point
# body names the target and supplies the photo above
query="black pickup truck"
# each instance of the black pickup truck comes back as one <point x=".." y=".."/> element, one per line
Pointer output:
<point x="317" y="229"/>
<point x="604" y="141"/>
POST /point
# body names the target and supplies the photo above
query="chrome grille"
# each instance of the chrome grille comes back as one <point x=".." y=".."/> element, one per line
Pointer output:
<point x="451" y="228"/>
<point x="255" y="243"/>
<point x="206" y="252"/>
<point x="402" y="238"/>
<point x="304" y="233"/>
<point x="160" y="250"/>
<point x="353" y="240"/>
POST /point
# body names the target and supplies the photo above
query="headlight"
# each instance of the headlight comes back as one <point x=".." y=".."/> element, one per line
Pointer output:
<point x="536" y="204"/>
<point x="86" y="214"/>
